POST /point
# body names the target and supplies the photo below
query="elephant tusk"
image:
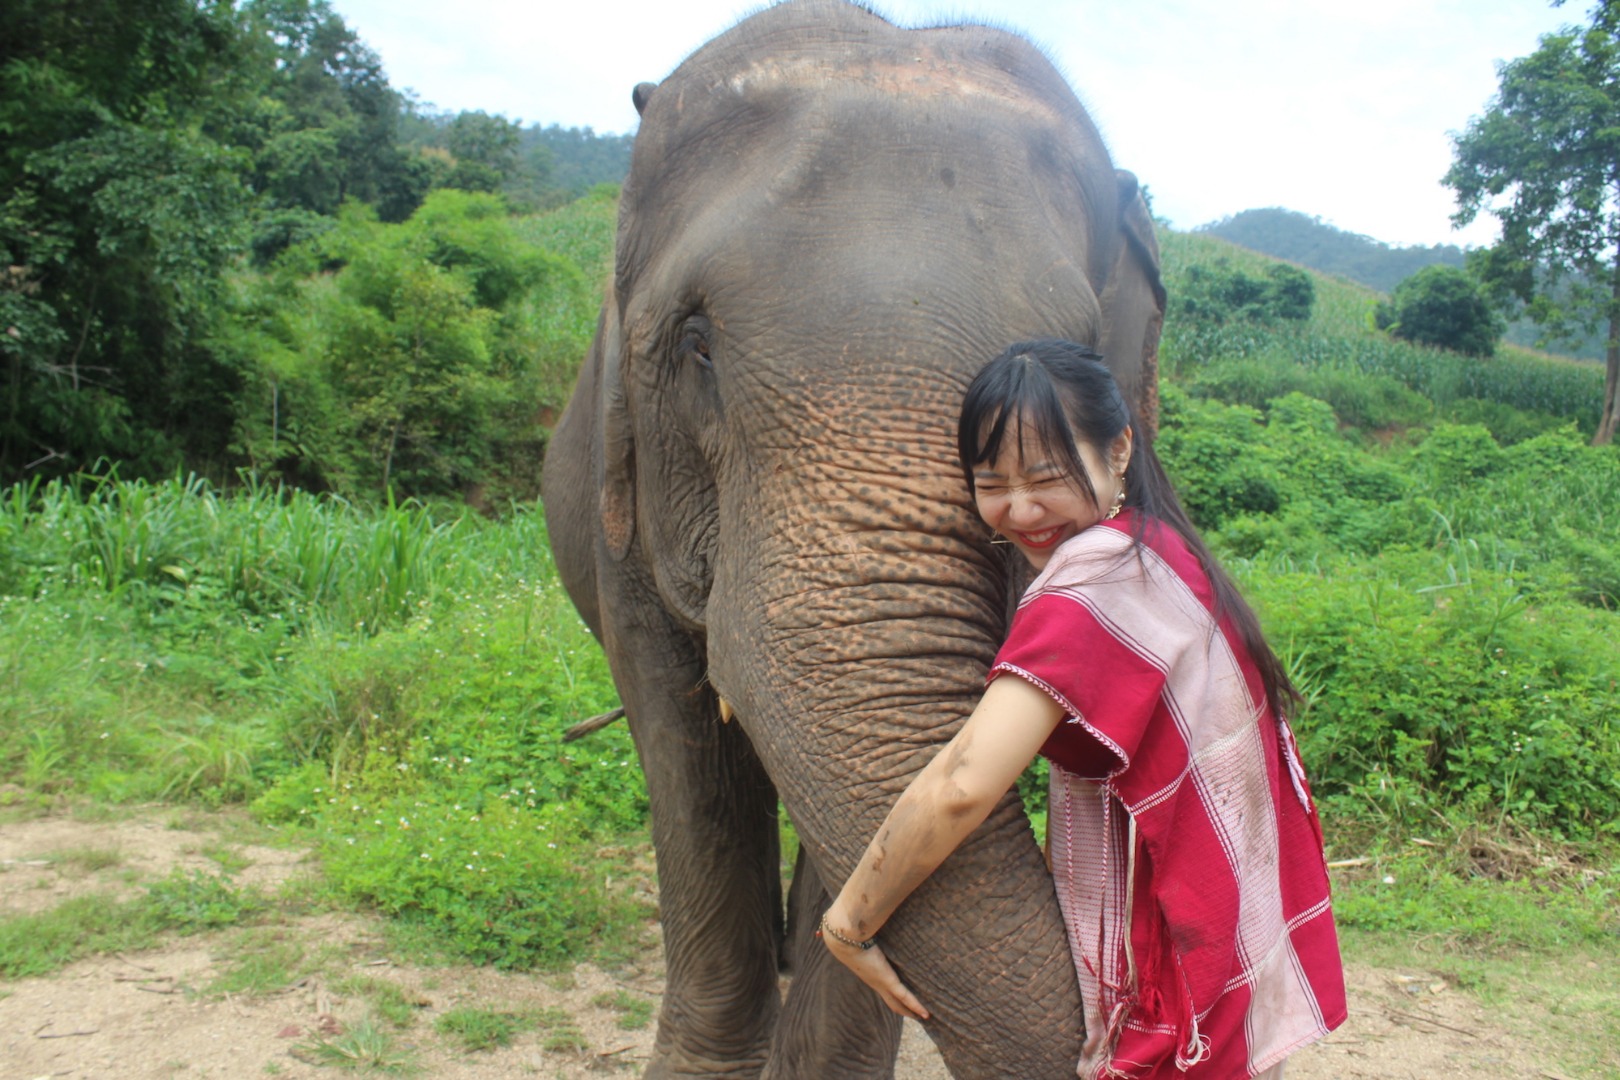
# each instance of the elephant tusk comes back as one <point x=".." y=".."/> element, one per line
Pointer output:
<point x="726" y="711"/>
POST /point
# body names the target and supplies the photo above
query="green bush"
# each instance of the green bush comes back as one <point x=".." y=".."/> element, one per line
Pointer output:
<point x="504" y="885"/>
<point x="1217" y="458"/>
<point x="1439" y="682"/>
<point x="1442" y="306"/>
<point x="1219" y="292"/>
<point x="1453" y="454"/>
<point x="1283" y="479"/>
<point x="1365" y="402"/>
<point x="198" y="901"/>
<point x="1507" y="425"/>
<point x="412" y="356"/>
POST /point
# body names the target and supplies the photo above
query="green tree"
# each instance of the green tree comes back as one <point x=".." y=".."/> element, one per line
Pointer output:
<point x="1544" y="159"/>
<point x="326" y="126"/>
<point x="485" y="148"/>
<point x="118" y="210"/>
<point x="404" y="356"/>
<point x="1442" y="306"/>
<point x="1220" y="292"/>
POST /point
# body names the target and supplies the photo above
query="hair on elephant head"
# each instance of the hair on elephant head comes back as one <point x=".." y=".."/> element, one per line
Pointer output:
<point x="829" y="225"/>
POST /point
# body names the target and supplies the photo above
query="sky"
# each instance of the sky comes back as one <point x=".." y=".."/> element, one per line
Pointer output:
<point x="1339" y="109"/>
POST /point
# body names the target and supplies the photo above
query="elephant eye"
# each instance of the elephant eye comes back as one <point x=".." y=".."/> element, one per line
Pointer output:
<point x="694" y="344"/>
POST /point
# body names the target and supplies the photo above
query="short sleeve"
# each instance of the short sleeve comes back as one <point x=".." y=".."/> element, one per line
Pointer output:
<point x="1109" y="690"/>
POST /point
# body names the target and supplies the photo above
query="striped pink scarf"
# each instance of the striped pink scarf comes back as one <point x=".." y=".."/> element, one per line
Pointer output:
<point x="1186" y="851"/>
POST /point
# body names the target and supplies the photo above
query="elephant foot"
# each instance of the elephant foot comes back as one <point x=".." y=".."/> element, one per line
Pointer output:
<point x="681" y="1067"/>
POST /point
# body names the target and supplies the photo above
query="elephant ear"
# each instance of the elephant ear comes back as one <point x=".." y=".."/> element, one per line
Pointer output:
<point x="1133" y="305"/>
<point x="641" y="95"/>
<point x="618" y="482"/>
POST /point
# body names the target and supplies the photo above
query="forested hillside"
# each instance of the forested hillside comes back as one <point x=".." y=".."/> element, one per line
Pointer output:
<point x="226" y="238"/>
<point x="1312" y="242"/>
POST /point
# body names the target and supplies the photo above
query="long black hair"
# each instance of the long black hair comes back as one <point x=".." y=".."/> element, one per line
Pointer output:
<point x="1062" y="390"/>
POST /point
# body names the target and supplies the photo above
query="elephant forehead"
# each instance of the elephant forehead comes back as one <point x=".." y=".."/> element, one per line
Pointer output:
<point x="929" y="74"/>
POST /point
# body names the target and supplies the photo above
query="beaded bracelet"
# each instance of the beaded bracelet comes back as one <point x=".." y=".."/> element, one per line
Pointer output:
<point x="836" y="936"/>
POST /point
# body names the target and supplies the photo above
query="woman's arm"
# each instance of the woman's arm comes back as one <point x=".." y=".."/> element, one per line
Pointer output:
<point x="946" y="801"/>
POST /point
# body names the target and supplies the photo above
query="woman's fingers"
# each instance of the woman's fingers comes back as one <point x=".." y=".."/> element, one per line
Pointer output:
<point x="874" y="969"/>
<point x="905" y="1002"/>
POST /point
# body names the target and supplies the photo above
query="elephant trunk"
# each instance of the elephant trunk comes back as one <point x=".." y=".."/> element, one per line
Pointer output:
<point x="851" y="659"/>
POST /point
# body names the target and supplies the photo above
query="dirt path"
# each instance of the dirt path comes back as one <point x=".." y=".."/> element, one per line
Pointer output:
<point x="164" y="1013"/>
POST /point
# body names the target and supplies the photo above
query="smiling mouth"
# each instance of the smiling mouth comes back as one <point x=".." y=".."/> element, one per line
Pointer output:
<point x="1043" y="539"/>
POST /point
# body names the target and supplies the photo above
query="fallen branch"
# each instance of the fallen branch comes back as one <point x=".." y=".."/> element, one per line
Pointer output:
<point x="1427" y="1020"/>
<point x="595" y="723"/>
<point x="1339" y="864"/>
<point x="43" y="1034"/>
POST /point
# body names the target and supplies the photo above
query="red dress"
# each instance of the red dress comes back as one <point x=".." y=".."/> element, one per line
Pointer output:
<point x="1185" y="848"/>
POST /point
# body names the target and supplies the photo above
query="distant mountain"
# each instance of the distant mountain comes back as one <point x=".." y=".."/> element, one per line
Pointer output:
<point x="1310" y="241"/>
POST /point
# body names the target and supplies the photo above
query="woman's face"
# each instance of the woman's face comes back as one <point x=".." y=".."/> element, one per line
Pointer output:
<point x="1027" y="496"/>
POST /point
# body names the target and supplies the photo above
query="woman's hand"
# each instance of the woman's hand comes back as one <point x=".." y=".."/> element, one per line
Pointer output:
<point x="874" y="969"/>
<point x="952" y="795"/>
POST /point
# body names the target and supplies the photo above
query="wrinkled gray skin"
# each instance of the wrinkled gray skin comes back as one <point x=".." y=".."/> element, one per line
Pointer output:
<point x="829" y="225"/>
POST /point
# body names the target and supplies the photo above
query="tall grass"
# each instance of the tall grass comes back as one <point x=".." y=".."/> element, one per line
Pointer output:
<point x="156" y="632"/>
<point x="355" y="671"/>
<point x="269" y="552"/>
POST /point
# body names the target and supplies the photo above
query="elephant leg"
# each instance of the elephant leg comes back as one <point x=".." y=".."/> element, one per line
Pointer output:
<point x="715" y="838"/>
<point x="832" y="1025"/>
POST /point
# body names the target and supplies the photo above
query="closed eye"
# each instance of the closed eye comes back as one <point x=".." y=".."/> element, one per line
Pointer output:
<point x="694" y="343"/>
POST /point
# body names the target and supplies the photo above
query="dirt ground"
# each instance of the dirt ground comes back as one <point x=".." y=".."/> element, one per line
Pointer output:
<point x="159" y="1014"/>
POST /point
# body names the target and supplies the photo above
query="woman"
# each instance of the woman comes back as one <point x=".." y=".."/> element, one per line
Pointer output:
<point x="1184" y="847"/>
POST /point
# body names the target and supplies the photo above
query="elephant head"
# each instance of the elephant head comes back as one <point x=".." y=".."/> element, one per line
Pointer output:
<point x="829" y="224"/>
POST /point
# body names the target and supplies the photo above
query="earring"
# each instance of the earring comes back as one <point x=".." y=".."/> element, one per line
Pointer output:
<point x="1119" y="502"/>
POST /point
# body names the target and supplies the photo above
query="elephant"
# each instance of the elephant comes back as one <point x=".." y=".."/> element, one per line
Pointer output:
<point x="828" y="225"/>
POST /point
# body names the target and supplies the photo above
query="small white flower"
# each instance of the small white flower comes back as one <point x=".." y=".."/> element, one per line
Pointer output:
<point x="1389" y="879"/>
